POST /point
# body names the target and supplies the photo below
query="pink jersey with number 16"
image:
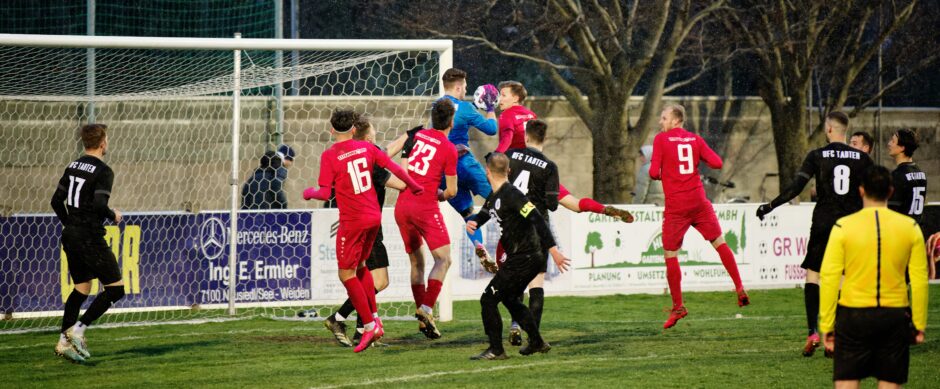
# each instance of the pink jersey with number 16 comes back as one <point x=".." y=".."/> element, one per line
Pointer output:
<point x="347" y="167"/>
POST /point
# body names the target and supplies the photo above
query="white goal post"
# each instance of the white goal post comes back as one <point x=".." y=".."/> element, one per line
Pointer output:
<point x="188" y="120"/>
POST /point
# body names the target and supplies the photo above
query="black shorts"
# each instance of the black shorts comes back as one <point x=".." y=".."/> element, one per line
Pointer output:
<point x="816" y="247"/>
<point x="872" y="342"/>
<point x="89" y="257"/>
<point x="515" y="275"/>
<point x="378" y="258"/>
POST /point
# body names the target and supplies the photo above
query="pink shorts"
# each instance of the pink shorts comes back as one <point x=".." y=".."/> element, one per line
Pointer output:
<point x="354" y="244"/>
<point x="415" y="225"/>
<point x="676" y="224"/>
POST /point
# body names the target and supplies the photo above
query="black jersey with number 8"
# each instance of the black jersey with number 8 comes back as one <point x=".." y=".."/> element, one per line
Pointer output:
<point x="838" y="170"/>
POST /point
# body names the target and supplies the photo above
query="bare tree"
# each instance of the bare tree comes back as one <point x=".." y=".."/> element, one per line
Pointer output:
<point x="795" y="42"/>
<point x="597" y="53"/>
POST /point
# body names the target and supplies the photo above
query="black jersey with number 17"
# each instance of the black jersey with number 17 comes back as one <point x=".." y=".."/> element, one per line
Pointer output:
<point x="838" y="170"/>
<point x="81" y="198"/>
<point x="535" y="176"/>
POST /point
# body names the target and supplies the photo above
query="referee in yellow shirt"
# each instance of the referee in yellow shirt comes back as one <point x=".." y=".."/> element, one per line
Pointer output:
<point x="874" y="248"/>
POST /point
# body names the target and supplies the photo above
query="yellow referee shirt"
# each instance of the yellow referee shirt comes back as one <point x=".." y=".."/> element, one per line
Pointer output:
<point x="873" y="247"/>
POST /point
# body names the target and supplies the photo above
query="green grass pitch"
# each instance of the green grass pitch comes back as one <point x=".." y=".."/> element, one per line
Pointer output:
<point x="610" y="341"/>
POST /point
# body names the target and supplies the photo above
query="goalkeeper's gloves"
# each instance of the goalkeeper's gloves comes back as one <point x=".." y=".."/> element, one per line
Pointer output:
<point x="763" y="210"/>
<point x="490" y="99"/>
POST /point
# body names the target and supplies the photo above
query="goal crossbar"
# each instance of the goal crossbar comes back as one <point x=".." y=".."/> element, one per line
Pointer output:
<point x="168" y="43"/>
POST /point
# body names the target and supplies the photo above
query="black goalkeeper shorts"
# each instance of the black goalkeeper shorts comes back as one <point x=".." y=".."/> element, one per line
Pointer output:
<point x="872" y="342"/>
<point x="89" y="257"/>
<point x="378" y="258"/>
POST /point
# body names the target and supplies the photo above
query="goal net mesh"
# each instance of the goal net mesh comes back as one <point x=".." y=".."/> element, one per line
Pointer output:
<point x="169" y="114"/>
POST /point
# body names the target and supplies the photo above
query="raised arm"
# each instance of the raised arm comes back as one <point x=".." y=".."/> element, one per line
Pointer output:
<point x="486" y="125"/>
<point x="325" y="181"/>
<point x="382" y="160"/>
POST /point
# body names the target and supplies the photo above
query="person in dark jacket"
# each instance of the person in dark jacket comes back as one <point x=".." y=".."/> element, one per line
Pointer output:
<point x="264" y="190"/>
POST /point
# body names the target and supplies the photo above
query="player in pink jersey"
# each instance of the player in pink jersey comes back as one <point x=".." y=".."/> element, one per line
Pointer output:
<point x="512" y="123"/>
<point x="347" y="166"/>
<point x="676" y="155"/>
<point x="432" y="159"/>
<point x="513" y="117"/>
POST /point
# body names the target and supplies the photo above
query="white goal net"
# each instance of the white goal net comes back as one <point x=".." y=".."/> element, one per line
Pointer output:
<point x="170" y="104"/>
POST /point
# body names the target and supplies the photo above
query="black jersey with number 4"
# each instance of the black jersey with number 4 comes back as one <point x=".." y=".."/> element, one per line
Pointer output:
<point x="910" y="190"/>
<point x="81" y="198"/>
<point x="838" y="170"/>
<point x="524" y="230"/>
<point x="535" y="176"/>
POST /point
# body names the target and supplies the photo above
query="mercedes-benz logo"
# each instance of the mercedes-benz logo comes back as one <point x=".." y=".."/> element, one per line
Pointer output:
<point x="213" y="237"/>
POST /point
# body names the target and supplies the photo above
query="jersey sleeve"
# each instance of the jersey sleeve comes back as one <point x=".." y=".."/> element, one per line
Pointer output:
<point x="505" y="133"/>
<point x="917" y="272"/>
<point x="450" y="162"/>
<point x="484" y="215"/>
<point x="103" y="194"/>
<point x="901" y="190"/>
<point x="830" y="276"/>
<point x="708" y="155"/>
<point x="326" y="170"/>
<point x="476" y="120"/>
<point x="807" y="171"/>
<point x="551" y="187"/>
<point x="58" y="200"/>
<point x="656" y="162"/>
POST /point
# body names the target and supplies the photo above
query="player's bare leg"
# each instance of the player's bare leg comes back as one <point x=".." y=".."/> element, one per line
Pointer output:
<point x="731" y="266"/>
<point x="811" y="300"/>
<point x="418" y="288"/>
<point x="674" y="276"/>
<point x="590" y="205"/>
<point x="76" y="334"/>
<point x="425" y="314"/>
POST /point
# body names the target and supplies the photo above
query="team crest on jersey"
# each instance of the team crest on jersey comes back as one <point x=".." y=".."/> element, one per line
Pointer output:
<point x="497" y="204"/>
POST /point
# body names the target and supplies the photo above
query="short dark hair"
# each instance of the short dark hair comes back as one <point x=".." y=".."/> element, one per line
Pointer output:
<point x="839" y="117"/>
<point x="498" y="163"/>
<point x="908" y="140"/>
<point x="536" y="129"/>
<point x="442" y="114"/>
<point x="92" y="135"/>
<point x="866" y="137"/>
<point x="343" y="119"/>
<point x="453" y="75"/>
<point x="362" y="126"/>
<point x="877" y="182"/>
<point x="516" y="88"/>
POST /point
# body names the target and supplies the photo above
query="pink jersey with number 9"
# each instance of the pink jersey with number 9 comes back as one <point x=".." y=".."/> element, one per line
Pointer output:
<point x="676" y="155"/>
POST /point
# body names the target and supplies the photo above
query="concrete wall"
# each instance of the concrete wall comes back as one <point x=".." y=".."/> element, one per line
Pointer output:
<point x="172" y="155"/>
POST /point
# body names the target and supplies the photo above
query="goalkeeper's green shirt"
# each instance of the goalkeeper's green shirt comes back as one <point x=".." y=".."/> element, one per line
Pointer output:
<point x="875" y="247"/>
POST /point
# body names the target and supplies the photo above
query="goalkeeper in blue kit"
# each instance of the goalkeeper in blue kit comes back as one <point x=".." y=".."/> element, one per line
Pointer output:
<point x="471" y="178"/>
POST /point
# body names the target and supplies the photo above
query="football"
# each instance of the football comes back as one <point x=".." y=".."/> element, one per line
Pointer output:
<point x="486" y="94"/>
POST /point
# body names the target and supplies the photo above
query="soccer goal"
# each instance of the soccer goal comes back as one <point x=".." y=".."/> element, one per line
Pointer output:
<point x="190" y="121"/>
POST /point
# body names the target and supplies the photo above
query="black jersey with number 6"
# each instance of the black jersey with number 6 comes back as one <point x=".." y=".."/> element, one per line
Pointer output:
<point x="524" y="231"/>
<point x="838" y="170"/>
<point x="910" y="190"/>
<point x="81" y="198"/>
<point x="535" y="176"/>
